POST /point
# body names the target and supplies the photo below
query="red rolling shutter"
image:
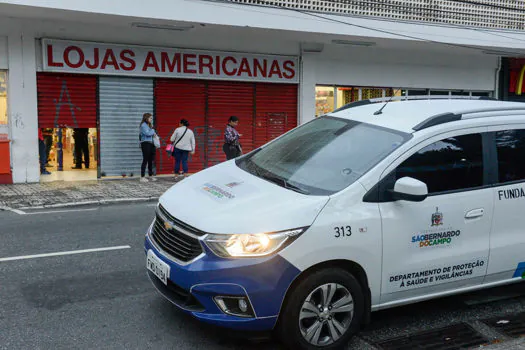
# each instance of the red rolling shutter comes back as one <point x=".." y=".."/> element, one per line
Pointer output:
<point x="265" y="111"/>
<point x="177" y="99"/>
<point x="67" y="101"/>
<point x="224" y="100"/>
<point x="276" y="111"/>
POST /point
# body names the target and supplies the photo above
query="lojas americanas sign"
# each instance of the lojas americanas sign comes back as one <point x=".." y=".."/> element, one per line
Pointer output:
<point x="97" y="58"/>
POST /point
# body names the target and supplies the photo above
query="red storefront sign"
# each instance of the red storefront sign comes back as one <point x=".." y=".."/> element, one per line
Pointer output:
<point x="96" y="58"/>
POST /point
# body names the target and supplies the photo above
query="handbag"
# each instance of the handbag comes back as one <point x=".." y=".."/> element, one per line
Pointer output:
<point x="156" y="141"/>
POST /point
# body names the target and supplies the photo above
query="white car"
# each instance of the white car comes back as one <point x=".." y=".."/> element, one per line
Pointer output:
<point x="375" y="205"/>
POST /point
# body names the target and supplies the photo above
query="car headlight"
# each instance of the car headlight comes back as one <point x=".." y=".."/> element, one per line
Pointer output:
<point x="251" y="245"/>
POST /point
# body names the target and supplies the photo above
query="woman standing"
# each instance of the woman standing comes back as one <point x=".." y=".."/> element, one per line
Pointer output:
<point x="148" y="147"/>
<point x="184" y="143"/>
<point x="232" y="147"/>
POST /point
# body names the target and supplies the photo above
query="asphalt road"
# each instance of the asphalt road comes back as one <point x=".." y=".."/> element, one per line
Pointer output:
<point x="104" y="300"/>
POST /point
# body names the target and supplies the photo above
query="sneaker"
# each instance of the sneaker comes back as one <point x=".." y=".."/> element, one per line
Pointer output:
<point x="153" y="179"/>
<point x="45" y="172"/>
<point x="143" y="179"/>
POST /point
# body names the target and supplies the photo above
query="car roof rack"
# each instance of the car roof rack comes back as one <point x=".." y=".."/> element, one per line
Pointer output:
<point x="470" y="114"/>
<point x="412" y="98"/>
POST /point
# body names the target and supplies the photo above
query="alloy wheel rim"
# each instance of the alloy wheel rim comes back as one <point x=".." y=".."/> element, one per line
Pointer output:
<point x="326" y="314"/>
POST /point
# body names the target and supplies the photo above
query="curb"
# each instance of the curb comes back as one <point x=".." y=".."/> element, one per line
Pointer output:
<point x="99" y="202"/>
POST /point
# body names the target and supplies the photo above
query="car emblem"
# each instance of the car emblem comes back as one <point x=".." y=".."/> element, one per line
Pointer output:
<point x="167" y="226"/>
<point x="437" y="218"/>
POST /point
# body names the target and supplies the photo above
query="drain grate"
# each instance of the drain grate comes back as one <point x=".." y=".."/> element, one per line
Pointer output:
<point x="455" y="337"/>
<point x="511" y="326"/>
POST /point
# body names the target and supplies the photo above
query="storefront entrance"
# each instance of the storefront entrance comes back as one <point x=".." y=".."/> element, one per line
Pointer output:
<point x="71" y="154"/>
<point x="107" y="88"/>
<point x="111" y="109"/>
<point x="67" y="117"/>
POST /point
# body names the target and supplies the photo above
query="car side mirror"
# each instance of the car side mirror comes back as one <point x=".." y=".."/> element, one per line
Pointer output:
<point x="409" y="189"/>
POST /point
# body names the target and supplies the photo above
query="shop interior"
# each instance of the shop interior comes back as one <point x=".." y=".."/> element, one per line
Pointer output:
<point x="64" y="166"/>
<point x="329" y="98"/>
<point x="3" y="98"/>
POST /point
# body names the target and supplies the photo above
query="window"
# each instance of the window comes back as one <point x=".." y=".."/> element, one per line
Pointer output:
<point x="439" y="93"/>
<point x="330" y="98"/>
<point x="460" y="93"/>
<point x="324" y="100"/>
<point x="324" y="156"/>
<point x="511" y="155"/>
<point x="416" y="92"/>
<point x="452" y="164"/>
<point x="481" y="93"/>
<point x="3" y="97"/>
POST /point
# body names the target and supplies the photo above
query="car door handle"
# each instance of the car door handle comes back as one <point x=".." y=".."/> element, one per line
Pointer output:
<point x="475" y="213"/>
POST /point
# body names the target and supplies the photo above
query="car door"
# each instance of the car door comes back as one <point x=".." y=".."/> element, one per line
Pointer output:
<point x="507" y="238"/>
<point x="441" y="243"/>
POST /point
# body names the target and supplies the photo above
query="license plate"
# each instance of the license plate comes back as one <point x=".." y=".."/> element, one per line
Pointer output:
<point x="158" y="267"/>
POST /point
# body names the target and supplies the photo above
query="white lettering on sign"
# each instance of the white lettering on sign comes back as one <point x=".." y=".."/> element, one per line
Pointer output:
<point x="83" y="57"/>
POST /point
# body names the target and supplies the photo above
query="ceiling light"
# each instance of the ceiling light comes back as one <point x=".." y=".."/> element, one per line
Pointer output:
<point x="312" y="47"/>
<point x="353" y="43"/>
<point x="180" y="28"/>
<point x="502" y="53"/>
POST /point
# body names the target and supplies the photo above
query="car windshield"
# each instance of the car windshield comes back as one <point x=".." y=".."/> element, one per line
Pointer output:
<point x="324" y="156"/>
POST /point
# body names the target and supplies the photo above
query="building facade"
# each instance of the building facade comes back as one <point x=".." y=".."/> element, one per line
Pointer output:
<point x="69" y="65"/>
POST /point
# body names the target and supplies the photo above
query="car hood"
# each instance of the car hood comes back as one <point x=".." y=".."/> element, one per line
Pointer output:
<point x="227" y="199"/>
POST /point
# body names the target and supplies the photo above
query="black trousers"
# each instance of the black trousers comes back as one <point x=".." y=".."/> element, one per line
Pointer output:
<point x="81" y="147"/>
<point x="48" y="140"/>
<point x="231" y="151"/>
<point x="148" y="154"/>
<point x="42" y="155"/>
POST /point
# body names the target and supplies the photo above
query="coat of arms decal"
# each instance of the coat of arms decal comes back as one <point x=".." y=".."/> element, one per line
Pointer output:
<point x="437" y="218"/>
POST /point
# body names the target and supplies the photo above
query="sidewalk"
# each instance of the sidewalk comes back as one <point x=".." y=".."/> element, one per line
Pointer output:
<point x="62" y="194"/>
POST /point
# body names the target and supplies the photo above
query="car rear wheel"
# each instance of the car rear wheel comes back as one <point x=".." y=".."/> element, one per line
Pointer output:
<point x="322" y="311"/>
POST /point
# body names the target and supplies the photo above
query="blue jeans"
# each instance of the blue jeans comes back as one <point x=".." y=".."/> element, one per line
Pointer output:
<point x="181" y="156"/>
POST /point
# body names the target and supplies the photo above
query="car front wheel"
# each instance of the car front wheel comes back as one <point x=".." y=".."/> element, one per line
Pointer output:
<point x="323" y="311"/>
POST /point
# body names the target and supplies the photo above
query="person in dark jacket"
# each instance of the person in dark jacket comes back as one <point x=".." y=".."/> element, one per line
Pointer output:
<point x="232" y="147"/>
<point x="81" y="147"/>
<point x="42" y="153"/>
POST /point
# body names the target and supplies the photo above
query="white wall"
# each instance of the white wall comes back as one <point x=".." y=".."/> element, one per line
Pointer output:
<point x="22" y="104"/>
<point x="396" y="69"/>
<point x="4" y="129"/>
<point x="3" y="52"/>
<point x="257" y="17"/>
<point x="413" y="66"/>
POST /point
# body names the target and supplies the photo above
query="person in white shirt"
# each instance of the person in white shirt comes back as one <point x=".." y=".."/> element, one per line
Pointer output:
<point x="183" y="143"/>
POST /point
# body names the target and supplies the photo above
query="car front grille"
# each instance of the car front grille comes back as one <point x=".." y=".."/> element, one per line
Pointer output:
<point x="179" y="223"/>
<point x="173" y="241"/>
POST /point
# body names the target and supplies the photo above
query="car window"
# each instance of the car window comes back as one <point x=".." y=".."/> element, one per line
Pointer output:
<point x="324" y="156"/>
<point x="451" y="164"/>
<point x="511" y="155"/>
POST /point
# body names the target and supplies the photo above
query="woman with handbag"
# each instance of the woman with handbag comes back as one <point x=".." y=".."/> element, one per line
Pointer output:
<point x="184" y="143"/>
<point x="232" y="147"/>
<point x="147" y="144"/>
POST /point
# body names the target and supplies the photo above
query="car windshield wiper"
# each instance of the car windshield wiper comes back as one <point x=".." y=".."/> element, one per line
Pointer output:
<point x="283" y="183"/>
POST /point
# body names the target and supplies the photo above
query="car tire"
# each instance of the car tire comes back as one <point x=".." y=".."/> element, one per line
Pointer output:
<point x="297" y="316"/>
